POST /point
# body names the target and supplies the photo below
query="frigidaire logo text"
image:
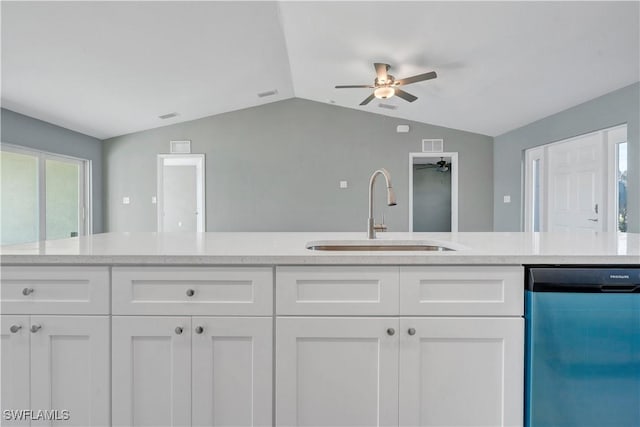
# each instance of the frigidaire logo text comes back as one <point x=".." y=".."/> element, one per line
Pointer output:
<point x="618" y="276"/>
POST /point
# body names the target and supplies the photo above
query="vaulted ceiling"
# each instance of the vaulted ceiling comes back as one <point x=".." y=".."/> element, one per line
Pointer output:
<point x="110" y="68"/>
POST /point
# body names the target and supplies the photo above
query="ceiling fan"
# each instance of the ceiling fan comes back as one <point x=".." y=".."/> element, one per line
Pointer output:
<point x="385" y="85"/>
<point x="440" y="166"/>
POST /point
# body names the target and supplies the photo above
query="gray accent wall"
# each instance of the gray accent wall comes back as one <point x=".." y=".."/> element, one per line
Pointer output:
<point x="615" y="108"/>
<point x="277" y="167"/>
<point x="25" y="131"/>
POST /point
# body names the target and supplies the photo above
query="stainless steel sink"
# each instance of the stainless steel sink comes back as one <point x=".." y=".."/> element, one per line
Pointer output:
<point x="380" y="245"/>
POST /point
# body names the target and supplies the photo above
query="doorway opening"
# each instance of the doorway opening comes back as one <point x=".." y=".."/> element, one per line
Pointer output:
<point x="433" y="192"/>
<point x="181" y="192"/>
<point x="577" y="184"/>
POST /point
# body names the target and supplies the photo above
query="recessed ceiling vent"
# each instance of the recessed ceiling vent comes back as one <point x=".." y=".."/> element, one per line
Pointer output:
<point x="388" y="106"/>
<point x="167" y="116"/>
<point x="267" y="93"/>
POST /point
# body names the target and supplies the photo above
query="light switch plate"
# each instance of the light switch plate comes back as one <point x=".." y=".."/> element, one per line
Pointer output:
<point x="343" y="184"/>
<point x="506" y="199"/>
<point x="126" y="200"/>
<point x="154" y="200"/>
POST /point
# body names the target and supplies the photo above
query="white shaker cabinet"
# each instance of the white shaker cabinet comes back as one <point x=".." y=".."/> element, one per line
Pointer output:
<point x="151" y="363"/>
<point x="57" y="363"/>
<point x="336" y="371"/>
<point x="14" y="375"/>
<point x="461" y="371"/>
<point x="200" y="371"/>
<point x="451" y="354"/>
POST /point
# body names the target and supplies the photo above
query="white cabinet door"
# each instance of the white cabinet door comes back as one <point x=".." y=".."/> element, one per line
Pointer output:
<point x="151" y="363"/>
<point x="14" y="355"/>
<point x="232" y="371"/>
<point x="336" y="371"/>
<point x="461" y="372"/>
<point x="70" y="368"/>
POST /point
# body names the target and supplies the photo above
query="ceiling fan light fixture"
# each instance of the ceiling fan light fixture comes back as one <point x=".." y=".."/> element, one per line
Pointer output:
<point x="384" y="92"/>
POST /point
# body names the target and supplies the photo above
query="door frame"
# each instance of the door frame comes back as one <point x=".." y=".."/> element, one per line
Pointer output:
<point x="196" y="160"/>
<point x="454" y="184"/>
<point x="85" y="185"/>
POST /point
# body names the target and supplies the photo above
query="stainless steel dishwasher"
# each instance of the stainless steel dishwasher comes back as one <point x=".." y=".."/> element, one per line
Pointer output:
<point x="582" y="347"/>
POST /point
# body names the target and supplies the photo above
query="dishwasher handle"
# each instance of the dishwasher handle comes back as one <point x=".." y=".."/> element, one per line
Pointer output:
<point x="620" y="288"/>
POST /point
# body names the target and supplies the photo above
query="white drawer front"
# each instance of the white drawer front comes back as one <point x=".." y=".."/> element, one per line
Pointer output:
<point x="453" y="291"/>
<point x="337" y="290"/>
<point x="193" y="290"/>
<point x="55" y="290"/>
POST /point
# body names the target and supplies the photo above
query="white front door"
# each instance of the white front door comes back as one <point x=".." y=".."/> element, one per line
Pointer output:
<point x="575" y="171"/>
<point x="336" y="372"/>
<point x="181" y="194"/>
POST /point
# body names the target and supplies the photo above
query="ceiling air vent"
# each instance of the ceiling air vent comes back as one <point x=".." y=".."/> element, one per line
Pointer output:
<point x="388" y="106"/>
<point x="267" y="93"/>
<point x="167" y="116"/>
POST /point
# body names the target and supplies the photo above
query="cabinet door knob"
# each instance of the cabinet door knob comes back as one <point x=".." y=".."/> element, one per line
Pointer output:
<point x="179" y="330"/>
<point x="190" y="292"/>
<point x="412" y="331"/>
<point x="15" y="328"/>
<point x="199" y="329"/>
<point x="35" y="328"/>
<point x="27" y="291"/>
<point x="391" y="331"/>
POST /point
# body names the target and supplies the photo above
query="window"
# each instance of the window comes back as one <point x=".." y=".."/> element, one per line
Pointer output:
<point x="43" y="196"/>
<point x="621" y="184"/>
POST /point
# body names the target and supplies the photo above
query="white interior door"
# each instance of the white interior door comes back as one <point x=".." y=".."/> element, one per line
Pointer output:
<point x="232" y="371"/>
<point x="70" y="368"/>
<point x="575" y="184"/>
<point x="151" y="363"/>
<point x="181" y="192"/>
<point x="336" y="372"/>
<point x="14" y="372"/>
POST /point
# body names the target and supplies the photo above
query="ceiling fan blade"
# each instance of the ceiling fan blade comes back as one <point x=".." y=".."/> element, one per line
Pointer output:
<point x="381" y="71"/>
<point x="367" y="100"/>
<point x="405" y="95"/>
<point x="353" y="86"/>
<point x="420" y="77"/>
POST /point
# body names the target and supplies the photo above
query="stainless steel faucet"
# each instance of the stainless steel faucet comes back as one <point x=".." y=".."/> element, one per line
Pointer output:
<point x="372" y="227"/>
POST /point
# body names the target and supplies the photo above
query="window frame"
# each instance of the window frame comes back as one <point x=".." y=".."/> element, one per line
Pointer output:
<point x="85" y="195"/>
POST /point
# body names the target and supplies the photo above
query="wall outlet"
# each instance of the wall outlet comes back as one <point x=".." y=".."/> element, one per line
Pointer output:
<point x="126" y="200"/>
<point x="154" y="200"/>
<point x="343" y="184"/>
<point x="506" y="199"/>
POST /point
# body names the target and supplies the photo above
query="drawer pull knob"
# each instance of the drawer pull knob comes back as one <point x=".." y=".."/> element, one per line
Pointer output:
<point x="179" y="330"/>
<point x="27" y="291"/>
<point x="15" y="328"/>
<point x="199" y="329"/>
<point x="190" y="292"/>
<point x="35" y="328"/>
<point x="412" y="331"/>
<point x="391" y="331"/>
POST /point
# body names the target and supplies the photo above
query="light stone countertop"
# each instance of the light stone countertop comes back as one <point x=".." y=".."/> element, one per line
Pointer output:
<point x="289" y="248"/>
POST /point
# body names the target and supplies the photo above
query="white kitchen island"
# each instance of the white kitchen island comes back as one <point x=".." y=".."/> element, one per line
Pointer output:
<point x="255" y="329"/>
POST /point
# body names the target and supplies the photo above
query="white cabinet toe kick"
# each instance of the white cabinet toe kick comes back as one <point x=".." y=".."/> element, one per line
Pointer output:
<point x="263" y="346"/>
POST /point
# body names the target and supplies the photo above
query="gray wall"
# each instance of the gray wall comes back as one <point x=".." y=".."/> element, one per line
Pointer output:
<point x="615" y="108"/>
<point x="277" y="167"/>
<point x="18" y="129"/>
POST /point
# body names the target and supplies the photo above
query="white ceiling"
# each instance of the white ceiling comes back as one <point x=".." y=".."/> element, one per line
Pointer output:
<point x="111" y="68"/>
